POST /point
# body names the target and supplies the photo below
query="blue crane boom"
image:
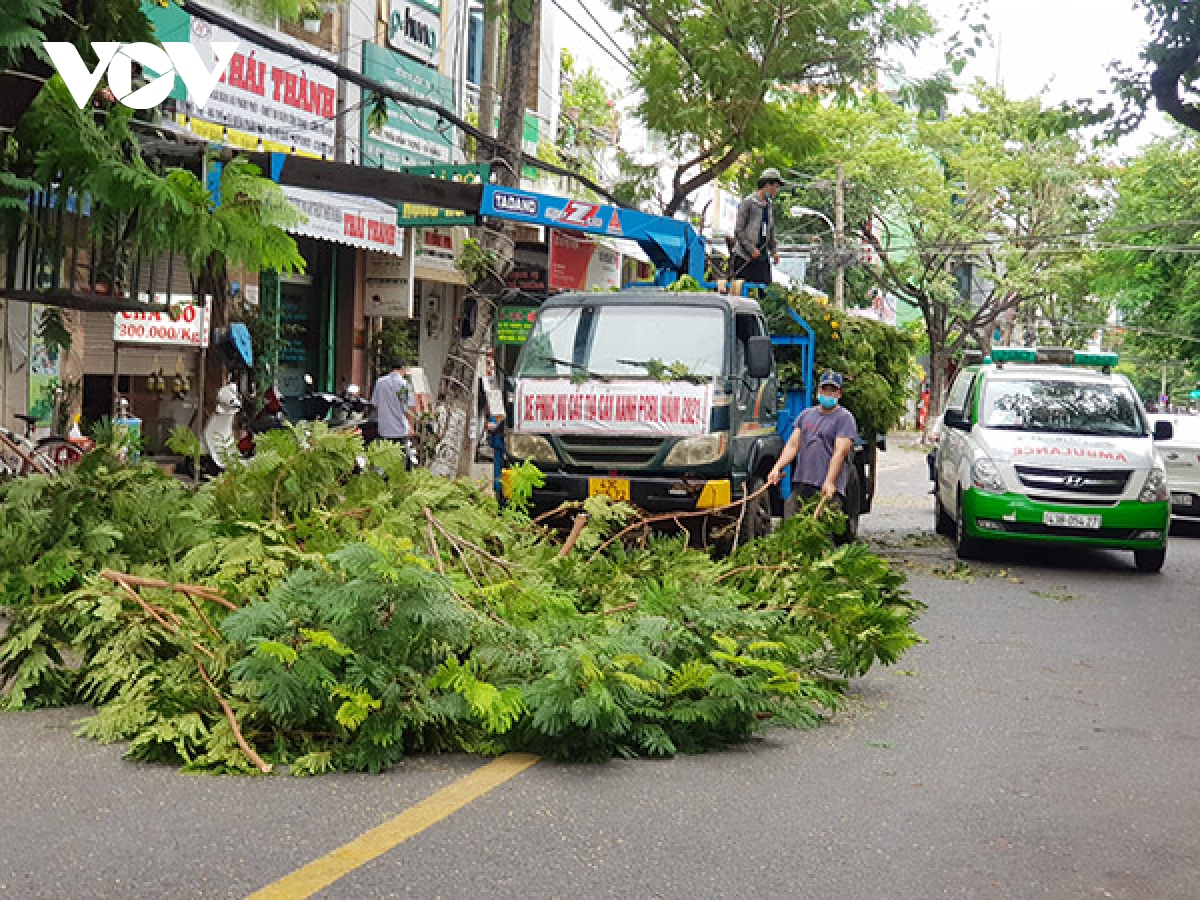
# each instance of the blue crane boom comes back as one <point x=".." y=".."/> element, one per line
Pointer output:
<point x="675" y="247"/>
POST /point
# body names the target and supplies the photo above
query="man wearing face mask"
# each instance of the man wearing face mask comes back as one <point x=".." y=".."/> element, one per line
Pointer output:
<point x="754" y="244"/>
<point x="821" y="442"/>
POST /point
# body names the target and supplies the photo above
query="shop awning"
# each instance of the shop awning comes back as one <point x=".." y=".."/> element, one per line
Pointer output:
<point x="346" y="219"/>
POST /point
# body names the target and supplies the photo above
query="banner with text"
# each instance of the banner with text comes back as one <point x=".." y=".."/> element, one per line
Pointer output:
<point x="613" y="408"/>
<point x="411" y="135"/>
<point x="581" y="263"/>
<point x="186" y="327"/>
<point x="265" y="95"/>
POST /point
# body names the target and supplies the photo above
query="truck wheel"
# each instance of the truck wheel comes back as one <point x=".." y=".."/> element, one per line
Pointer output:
<point x="1150" y="561"/>
<point x="854" y="504"/>
<point x="965" y="546"/>
<point x="756" y="522"/>
<point x="942" y="523"/>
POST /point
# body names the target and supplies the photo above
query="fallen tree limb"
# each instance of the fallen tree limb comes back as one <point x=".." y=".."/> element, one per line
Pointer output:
<point x="580" y="523"/>
<point x="676" y="516"/>
<point x="154" y="612"/>
<point x="250" y="753"/>
<point x="191" y="590"/>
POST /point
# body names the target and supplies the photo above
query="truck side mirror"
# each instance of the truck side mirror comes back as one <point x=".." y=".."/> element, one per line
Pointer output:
<point x="955" y="418"/>
<point x="1163" y="431"/>
<point x="759" y="363"/>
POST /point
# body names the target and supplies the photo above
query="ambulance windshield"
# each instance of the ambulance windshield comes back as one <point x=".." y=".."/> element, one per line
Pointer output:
<point x="1057" y="405"/>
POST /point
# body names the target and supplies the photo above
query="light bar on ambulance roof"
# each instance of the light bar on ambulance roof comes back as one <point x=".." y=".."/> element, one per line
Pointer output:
<point x="1059" y="356"/>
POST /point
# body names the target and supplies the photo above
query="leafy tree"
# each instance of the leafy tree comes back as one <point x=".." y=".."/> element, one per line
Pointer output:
<point x="715" y="74"/>
<point x="966" y="214"/>
<point x="1157" y="289"/>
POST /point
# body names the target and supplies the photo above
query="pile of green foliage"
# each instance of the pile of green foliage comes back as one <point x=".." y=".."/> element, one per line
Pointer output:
<point x="293" y="612"/>
<point x="876" y="360"/>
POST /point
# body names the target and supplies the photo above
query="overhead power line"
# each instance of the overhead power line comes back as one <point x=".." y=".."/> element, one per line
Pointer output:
<point x="623" y="63"/>
<point x="604" y="31"/>
<point x="271" y="42"/>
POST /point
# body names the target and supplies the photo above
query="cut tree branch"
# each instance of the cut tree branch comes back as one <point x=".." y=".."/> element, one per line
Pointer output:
<point x="1165" y="83"/>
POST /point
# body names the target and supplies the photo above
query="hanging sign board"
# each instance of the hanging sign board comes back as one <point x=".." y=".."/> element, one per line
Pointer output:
<point x="410" y="136"/>
<point x="513" y="323"/>
<point x="414" y="27"/>
<point x="389" y="284"/>
<point x="188" y="329"/>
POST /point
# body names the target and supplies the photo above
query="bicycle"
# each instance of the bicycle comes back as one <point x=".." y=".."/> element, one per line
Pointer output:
<point x="24" y="455"/>
<point x="21" y="456"/>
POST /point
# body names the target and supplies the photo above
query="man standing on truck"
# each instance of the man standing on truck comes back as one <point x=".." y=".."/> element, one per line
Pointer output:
<point x="754" y="245"/>
<point x="821" y="442"/>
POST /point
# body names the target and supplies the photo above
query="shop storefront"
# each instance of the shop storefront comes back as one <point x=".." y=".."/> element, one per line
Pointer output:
<point x="320" y="313"/>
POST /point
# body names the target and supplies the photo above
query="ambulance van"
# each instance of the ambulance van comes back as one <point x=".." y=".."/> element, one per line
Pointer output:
<point x="1049" y="445"/>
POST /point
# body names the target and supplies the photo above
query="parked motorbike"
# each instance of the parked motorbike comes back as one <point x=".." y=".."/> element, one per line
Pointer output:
<point x="270" y="417"/>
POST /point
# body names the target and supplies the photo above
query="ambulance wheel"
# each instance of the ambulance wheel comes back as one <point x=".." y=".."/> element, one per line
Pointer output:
<point x="965" y="546"/>
<point x="1150" y="561"/>
<point x="942" y="523"/>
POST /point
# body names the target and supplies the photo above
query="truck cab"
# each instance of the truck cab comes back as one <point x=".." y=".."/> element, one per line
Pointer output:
<point x="664" y="400"/>
<point x="1038" y="447"/>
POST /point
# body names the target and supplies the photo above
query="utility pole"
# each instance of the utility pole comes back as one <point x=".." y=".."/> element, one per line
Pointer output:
<point x="458" y="389"/>
<point x="839" y="237"/>
<point x="492" y="10"/>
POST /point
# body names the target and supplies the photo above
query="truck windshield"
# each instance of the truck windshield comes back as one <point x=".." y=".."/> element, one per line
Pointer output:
<point x="1067" y="407"/>
<point x="616" y="340"/>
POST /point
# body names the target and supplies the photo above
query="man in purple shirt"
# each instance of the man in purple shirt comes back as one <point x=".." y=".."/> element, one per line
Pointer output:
<point x="822" y="439"/>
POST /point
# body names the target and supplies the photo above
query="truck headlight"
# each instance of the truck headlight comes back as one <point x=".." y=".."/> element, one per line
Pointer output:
<point x="1155" y="488"/>
<point x="986" y="477"/>
<point x="533" y="447"/>
<point x="698" y="451"/>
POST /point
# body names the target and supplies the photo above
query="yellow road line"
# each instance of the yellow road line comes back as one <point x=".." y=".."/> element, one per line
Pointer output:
<point x="321" y="873"/>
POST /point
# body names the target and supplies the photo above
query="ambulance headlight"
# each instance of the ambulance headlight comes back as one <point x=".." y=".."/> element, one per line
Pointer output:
<point x="986" y="477"/>
<point x="533" y="447"/>
<point x="1155" y="489"/>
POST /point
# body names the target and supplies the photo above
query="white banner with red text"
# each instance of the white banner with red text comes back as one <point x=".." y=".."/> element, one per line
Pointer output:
<point x="185" y="326"/>
<point x="613" y="408"/>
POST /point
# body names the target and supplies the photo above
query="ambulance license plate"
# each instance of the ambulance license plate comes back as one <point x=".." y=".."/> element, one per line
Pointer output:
<point x="1071" y="520"/>
<point x="615" y="489"/>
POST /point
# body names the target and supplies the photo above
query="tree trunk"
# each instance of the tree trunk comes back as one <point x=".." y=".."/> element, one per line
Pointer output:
<point x="939" y="356"/>
<point x="457" y="391"/>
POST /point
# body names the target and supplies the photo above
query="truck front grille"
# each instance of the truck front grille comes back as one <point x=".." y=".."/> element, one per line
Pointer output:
<point x="1098" y="482"/>
<point x="610" y="452"/>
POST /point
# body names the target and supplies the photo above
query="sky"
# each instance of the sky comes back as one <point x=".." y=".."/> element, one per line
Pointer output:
<point x="1061" y="47"/>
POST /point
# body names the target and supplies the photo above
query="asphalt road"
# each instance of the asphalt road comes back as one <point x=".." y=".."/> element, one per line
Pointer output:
<point x="1041" y="744"/>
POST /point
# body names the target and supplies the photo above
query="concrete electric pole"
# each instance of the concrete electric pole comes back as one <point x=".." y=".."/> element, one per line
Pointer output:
<point x="839" y="237"/>
<point x="459" y="383"/>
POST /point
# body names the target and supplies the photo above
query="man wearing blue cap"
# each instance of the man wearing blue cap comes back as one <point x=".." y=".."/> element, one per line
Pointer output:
<point x="822" y="438"/>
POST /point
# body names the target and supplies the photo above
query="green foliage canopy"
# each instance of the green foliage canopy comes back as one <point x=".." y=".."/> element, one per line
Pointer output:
<point x="714" y="75"/>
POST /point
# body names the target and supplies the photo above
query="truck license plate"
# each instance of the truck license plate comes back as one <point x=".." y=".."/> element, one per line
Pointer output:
<point x="1071" y="520"/>
<point x="615" y="489"/>
<point x="1181" y="500"/>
